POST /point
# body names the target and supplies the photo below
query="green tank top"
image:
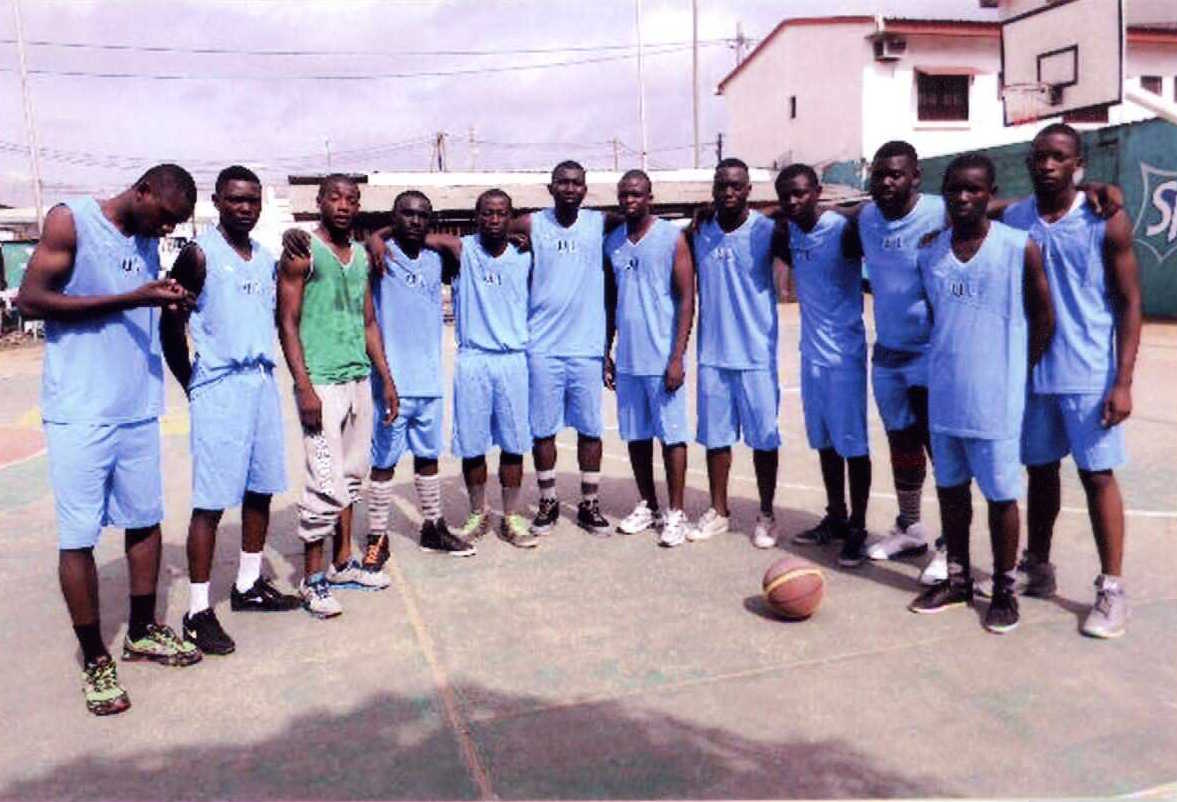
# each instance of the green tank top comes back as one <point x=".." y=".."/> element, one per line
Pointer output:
<point x="332" y="323"/>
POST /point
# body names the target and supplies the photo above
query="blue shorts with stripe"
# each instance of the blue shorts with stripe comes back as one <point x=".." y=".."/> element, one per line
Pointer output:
<point x="490" y="403"/>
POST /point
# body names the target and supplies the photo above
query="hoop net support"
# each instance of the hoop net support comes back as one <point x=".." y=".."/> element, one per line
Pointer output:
<point x="1029" y="101"/>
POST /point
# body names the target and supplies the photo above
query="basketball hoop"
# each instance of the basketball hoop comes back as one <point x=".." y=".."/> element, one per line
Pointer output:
<point x="1029" y="101"/>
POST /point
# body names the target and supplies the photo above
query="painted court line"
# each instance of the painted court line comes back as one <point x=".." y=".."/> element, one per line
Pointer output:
<point x="22" y="460"/>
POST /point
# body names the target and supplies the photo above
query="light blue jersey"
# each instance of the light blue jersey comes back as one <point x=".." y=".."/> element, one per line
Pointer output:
<point x="829" y="289"/>
<point x="979" y="349"/>
<point x="408" y="311"/>
<point x="566" y="312"/>
<point x="490" y="298"/>
<point x="901" y="314"/>
<point x="1081" y="357"/>
<point x="737" y="295"/>
<point x="646" y="311"/>
<point x="106" y="369"/>
<point x="233" y="324"/>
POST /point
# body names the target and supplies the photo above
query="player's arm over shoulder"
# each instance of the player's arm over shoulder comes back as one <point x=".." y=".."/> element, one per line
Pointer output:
<point x="50" y="266"/>
<point x="190" y="268"/>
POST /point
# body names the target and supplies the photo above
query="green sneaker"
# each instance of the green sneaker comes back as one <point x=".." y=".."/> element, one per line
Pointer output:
<point x="516" y="531"/>
<point x="104" y="696"/>
<point x="160" y="645"/>
<point x="477" y="524"/>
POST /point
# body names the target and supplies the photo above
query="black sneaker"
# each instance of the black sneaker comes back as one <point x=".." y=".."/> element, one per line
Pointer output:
<point x="956" y="591"/>
<point x="589" y="518"/>
<point x="827" y="529"/>
<point x="545" y="519"/>
<point x="263" y="597"/>
<point x="204" y="631"/>
<point x="854" y="549"/>
<point x="436" y="536"/>
<point x="376" y="553"/>
<point x="1002" y="615"/>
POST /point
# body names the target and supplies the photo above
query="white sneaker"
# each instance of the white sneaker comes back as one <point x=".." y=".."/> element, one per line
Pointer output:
<point x="675" y="529"/>
<point x="764" y="536"/>
<point x="937" y="569"/>
<point x="317" y="599"/>
<point x="898" y="542"/>
<point x="641" y="519"/>
<point x="353" y="577"/>
<point x="710" y="524"/>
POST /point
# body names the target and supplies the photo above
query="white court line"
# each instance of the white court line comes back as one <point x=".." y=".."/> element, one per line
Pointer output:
<point x="22" y="460"/>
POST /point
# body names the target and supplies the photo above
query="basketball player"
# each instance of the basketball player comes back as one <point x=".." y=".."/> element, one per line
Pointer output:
<point x="650" y="285"/>
<point x="238" y="457"/>
<point x="1081" y="391"/>
<point x="92" y="279"/>
<point x="991" y="319"/>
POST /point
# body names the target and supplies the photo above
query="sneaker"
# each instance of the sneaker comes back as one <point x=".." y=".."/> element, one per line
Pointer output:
<point x="853" y="553"/>
<point x="263" y="597"/>
<point x="160" y="645"/>
<point x="675" y="530"/>
<point x="937" y="568"/>
<point x="546" y="517"/>
<point x="827" y="530"/>
<point x="1035" y="578"/>
<point x="899" y="542"/>
<point x="514" y="530"/>
<point x="101" y="690"/>
<point x="436" y="536"/>
<point x="317" y="599"/>
<point x="477" y="524"/>
<point x="354" y="576"/>
<point x="949" y="593"/>
<point x="204" y="631"/>
<point x="589" y="518"/>
<point x="1110" y="611"/>
<point x="376" y="553"/>
<point x="710" y="524"/>
<point x="1002" y="615"/>
<point x="764" y="535"/>
<point x="641" y="519"/>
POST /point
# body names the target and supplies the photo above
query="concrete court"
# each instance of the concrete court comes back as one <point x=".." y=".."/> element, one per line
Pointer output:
<point x="602" y="668"/>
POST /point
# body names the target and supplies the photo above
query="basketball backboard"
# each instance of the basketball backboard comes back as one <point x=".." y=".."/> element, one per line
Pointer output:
<point x="1060" y="56"/>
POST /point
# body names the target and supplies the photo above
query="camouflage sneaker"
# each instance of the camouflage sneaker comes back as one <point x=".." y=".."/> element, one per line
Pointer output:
<point x="477" y="524"/>
<point x="104" y="696"/>
<point x="160" y="645"/>
<point x="515" y="530"/>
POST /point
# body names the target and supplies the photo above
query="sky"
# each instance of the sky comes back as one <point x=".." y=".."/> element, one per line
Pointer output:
<point x="276" y="84"/>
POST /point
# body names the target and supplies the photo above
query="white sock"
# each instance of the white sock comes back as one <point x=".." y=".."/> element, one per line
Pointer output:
<point x="197" y="597"/>
<point x="428" y="495"/>
<point x="590" y="483"/>
<point x="249" y="569"/>
<point x="379" y="503"/>
<point x="547" y="484"/>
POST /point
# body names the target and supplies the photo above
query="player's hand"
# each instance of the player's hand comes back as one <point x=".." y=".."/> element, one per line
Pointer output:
<point x="296" y="243"/>
<point x="609" y="373"/>
<point x="520" y="240"/>
<point x="675" y="375"/>
<point x="165" y="292"/>
<point x="392" y="404"/>
<point x="1117" y="406"/>
<point x="310" y="408"/>
<point x="376" y="248"/>
<point x="1105" y="199"/>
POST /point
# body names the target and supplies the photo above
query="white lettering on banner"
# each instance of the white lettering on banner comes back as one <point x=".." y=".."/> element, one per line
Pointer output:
<point x="1156" y="223"/>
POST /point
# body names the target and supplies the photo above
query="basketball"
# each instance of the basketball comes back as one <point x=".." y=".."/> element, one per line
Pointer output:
<point x="793" y="588"/>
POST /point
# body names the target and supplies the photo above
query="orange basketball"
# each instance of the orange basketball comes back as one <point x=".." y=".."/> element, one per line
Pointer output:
<point x="793" y="588"/>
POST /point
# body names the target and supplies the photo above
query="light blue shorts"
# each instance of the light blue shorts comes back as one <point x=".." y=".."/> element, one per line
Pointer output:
<point x="731" y="402"/>
<point x="1059" y="424"/>
<point x="645" y="410"/>
<point x="417" y="426"/>
<point x="103" y="475"/>
<point x="236" y="439"/>
<point x="834" y="401"/>
<point x="891" y="383"/>
<point x="490" y="403"/>
<point x="565" y="391"/>
<point x="993" y="463"/>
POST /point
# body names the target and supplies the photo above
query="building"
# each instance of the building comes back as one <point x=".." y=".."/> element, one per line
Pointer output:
<point x="830" y="90"/>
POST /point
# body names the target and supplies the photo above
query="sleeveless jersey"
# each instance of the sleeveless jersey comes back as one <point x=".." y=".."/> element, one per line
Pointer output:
<point x="646" y="310"/>
<point x="979" y="351"/>
<point x="1081" y="357"/>
<point x="901" y="315"/>
<point x="106" y="369"/>
<point x="490" y="298"/>
<point x="332" y="323"/>
<point x="737" y="296"/>
<point x="408" y="309"/>
<point x="233" y="323"/>
<point x="566" y="308"/>
<point x="829" y="290"/>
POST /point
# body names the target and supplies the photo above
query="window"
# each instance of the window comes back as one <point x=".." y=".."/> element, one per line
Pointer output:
<point x="1091" y="114"/>
<point x="942" y="97"/>
<point x="792" y="107"/>
<point x="1151" y="83"/>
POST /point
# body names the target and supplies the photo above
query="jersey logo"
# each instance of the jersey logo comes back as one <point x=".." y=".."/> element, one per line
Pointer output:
<point x="803" y="254"/>
<point x="131" y="264"/>
<point x="893" y="243"/>
<point x="251" y="287"/>
<point x="492" y="279"/>
<point x="565" y="246"/>
<point x="961" y="288"/>
<point x="631" y="263"/>
<point x="724" y="254"/>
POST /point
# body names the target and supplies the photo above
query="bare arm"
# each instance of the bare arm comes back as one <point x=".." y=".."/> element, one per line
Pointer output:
<point x="782" y="264"/>
<point x="684" y="294"/>
<point x="1124" y="283"/>
<point x="610" y="322"/>
<point x="293" y="271"/>
<point x="376" y="246"/>
<point x="375" y="346"/>
<point x="1104" y="199"/>
<point x="520" y="225"/>
<point x="189" y="272"/>
<point x="1039" y="308"/>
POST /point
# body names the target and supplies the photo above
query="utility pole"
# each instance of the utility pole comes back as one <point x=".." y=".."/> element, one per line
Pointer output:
<point x="438" y="153"/>
<point x="30" y="126"/>
<point x="473" y="151"/>
<point x="719" y="147"/>
<point x="616" y="155"/>
<point x="741" y="43"/>
<point x="327" y="149"/>
<point x="695" y="75"/>
<point x="641" y="86"/>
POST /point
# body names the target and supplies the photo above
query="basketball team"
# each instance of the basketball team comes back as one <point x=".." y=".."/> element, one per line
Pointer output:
<point x="1006" y="336"/>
